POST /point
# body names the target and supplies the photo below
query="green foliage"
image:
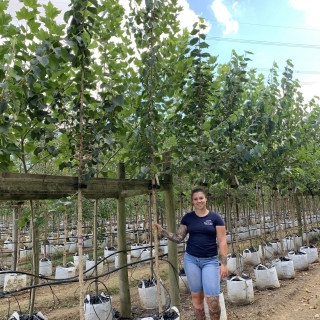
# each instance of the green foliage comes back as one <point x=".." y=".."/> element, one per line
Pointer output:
<point x="80" y="96"/>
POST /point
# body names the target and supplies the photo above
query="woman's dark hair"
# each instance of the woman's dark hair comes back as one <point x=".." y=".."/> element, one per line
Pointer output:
<point x="198" y="190"/>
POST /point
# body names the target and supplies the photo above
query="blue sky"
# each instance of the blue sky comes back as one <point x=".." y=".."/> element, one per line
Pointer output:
<point x="276" y="23"/>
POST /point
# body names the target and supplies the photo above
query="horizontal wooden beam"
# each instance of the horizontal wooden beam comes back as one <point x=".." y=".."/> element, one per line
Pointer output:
<point x="20" y="186"/>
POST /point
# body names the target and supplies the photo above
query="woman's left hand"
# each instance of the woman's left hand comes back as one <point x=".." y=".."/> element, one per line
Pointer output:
<point x="223" y="271"/>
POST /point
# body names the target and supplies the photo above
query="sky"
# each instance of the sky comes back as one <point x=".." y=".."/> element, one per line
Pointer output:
<point x="273" y="30"/>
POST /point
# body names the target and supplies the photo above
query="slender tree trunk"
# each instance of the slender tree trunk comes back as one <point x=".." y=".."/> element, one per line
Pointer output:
<point x="65" y="231"/>
<point x="35" y="258"/>
<point x="125" y="300"/>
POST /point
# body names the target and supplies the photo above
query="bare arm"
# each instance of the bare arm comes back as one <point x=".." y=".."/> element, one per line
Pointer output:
<point x="222" y="241"/>
<point x="175" y="237"/>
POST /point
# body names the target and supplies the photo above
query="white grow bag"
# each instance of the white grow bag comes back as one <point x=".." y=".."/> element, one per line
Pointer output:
<point x="251" y="257"/>
<point x="65" y="272"/>
<point x="300" y="260"/>
<point x="73" y="247"/>
<point x="148" y="295"/>
<point x="284" y="268"/>
<point x="240" y="290"/>
<point x="232" y="263"/>
<point x="85" y="257"/>
<point x="116" y="260"/>
<point x="90" y="266"/>
<point x="267" y="250"/>
<point x="45" y="267"/>
<point x="288" y="243"/>
<point x="276" y="245"/>
<point x="266" y="277"/>
<point x="38" y="316"/>
<point x="98" y="307"/>
<point x="312" y="253"/>
<point x="109" y="253"/>
<point x="14" y="281"/>
<point x="2" y="275"/>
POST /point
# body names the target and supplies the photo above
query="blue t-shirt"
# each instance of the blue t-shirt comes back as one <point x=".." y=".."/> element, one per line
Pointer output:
<point x="202" y="242"/>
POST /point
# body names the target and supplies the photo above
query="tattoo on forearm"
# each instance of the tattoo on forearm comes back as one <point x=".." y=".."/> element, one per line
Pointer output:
<point x="214" y="308"/>
<point x="224" y="260"/>
<point x="200" y="314"/>
<point x="176" y="237"/>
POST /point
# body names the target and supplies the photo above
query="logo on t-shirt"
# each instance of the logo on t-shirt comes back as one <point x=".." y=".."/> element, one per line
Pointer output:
<point x="208" y="223"/>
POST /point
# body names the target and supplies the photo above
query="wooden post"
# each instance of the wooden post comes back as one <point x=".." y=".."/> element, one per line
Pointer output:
<point x="299" y="217"/>
<point x="15" y="247"/>
<point x="125" y="301"/>
<point x="172" y="247"/>
<point x="95" y="243"/>
<point x="35" y="258"/>
<point x="65" y="235"/>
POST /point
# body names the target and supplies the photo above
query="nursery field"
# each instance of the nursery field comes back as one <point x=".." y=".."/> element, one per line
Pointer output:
<point x="297" y="298"/>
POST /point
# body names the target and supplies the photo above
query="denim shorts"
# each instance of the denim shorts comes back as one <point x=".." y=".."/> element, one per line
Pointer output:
<point x="203" y="274"/>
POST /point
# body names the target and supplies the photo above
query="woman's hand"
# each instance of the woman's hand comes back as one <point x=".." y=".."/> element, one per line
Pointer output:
<point x="156" y="227"/>
<point x="223" y="271"/>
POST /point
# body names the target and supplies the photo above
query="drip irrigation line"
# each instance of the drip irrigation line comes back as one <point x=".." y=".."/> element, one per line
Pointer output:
<point x="69" y="280"/>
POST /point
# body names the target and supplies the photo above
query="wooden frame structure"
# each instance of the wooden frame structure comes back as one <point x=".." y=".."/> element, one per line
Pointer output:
<point x="19" y="187"/>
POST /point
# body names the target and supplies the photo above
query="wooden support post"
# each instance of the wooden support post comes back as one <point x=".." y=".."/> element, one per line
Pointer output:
<point x="95" y="244"/>
<point x="14" y="238"/>
<point x="172" y="247"/>
<point x="125" y="300"/>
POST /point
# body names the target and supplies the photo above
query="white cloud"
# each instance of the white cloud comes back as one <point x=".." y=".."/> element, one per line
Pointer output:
<point x="310" y="8"/>
<point x="188" y="17"/>
<point x="224" y="16"/>
<point x="310" y="87"/>
<point x="235" y="4"/>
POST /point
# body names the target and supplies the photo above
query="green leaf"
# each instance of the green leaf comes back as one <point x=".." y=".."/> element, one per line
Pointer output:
<point x="240" y="147"/>
<point x="43" y="60"/>
<point x="36" y="70"/>
<point x="24" y="14"/>
<point x="3" y="106"/>
<point x="34" y="26"/>
<point x="204" y="45"/>
<point x="93" y="10"/>
<point x="118" y="100"/>
<point x="193" y="41"/>
<point x="65" y="54"/>
<point x="51" y="11"/>
<point x="42" y="35"/>
<point x="37" y="150"/>
<point x="4" y="127"/>
<point x="194" y="32"/>
<point x="30" y="3"/>
<point x="57" y="51"/>
<point x="85" y="36"/>
<point x="95" y="3"/>
<point x="29" y="146"/>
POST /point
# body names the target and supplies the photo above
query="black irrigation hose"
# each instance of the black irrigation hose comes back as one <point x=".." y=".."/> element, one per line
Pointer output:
<point x="70" y="280"/>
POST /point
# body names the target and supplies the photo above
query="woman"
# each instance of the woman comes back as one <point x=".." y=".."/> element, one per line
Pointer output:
<point x="201" y="263"/>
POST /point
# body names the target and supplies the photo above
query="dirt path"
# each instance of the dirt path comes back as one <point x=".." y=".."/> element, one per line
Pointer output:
<point x="296" y="299"/>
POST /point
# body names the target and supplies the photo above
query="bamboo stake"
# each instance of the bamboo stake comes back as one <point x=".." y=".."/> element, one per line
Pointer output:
<point x="156" y="246"/>
<point x="65" y="224"/>
<point x="304" y="220"/>
<point x="278" y="222"/>
<point x="292" y="218"/>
